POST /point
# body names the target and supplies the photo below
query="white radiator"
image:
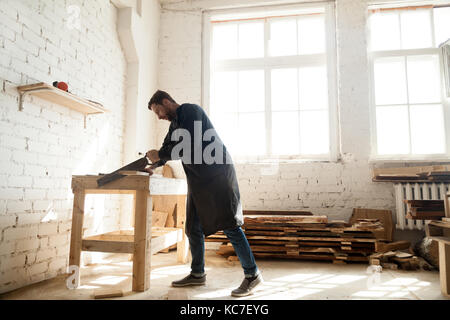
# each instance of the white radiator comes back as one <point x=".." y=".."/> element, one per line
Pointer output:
<point x="416" y="191"/>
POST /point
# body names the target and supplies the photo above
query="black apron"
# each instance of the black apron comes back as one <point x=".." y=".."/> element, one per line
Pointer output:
<point x="213" y="191"/>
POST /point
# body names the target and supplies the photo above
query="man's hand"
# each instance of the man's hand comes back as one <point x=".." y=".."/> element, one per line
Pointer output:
<point x="149" y="170"/>
<point x="153" y="156"/>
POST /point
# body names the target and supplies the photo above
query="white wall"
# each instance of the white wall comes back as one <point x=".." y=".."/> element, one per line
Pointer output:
<point x="326" y="188"/>
<point x="42" y="146"/>
<point x="138" y="28"/>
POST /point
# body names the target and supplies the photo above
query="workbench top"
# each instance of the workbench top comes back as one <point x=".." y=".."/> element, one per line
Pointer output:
<point x="155" y="184"/>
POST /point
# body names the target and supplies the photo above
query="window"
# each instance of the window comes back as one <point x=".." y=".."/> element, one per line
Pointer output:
<point x="409" y="109"/>
<point x="270" y="81"/>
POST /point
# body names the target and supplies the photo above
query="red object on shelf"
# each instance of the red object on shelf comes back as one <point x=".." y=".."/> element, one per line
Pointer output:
<point x="63" y="86"/>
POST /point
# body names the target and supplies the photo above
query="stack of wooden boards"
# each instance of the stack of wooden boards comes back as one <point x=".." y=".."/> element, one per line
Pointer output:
<point x="425" y="209"/>
<point x="306" y="237"/>
<point x="438" y="173"/>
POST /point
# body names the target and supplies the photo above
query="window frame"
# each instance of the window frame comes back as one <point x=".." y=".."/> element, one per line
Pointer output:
<point x="372" y="56"/>
<point x="328" y="58"/>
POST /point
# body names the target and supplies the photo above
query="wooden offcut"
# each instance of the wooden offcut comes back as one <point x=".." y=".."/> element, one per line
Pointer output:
<point x="107" y="293"/>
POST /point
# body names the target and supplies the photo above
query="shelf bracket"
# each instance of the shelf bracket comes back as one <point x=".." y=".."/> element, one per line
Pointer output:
<point x="25" y="93"/>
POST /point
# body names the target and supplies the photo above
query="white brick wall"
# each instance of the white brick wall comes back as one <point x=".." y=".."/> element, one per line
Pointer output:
<point x="42" y="146"/>
<point x="333" y="189"/>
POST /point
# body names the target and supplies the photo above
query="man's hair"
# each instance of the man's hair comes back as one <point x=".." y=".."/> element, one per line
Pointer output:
<point x="158" y="97"/>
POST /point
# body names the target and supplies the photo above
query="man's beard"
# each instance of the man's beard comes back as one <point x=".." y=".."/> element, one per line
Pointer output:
<point x="170" y="117"/>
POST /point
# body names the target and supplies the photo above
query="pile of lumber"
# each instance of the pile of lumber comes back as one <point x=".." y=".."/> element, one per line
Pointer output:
<point x="425" y="209"/>
<point x="438" y="173"/>
<point x="306" y="238"/>
<point x="399" y="260"/>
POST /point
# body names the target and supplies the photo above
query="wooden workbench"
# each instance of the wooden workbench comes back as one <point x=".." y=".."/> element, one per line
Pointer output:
<point x="144" y="240"/>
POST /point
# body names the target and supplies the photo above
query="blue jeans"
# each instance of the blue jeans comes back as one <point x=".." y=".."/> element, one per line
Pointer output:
<point x="237" y="239"/>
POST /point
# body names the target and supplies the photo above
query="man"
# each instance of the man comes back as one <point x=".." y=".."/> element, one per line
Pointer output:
<point x="213" y="200"/>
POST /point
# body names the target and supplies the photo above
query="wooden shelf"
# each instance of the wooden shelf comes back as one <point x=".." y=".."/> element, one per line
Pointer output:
<point x="55" y="95"/>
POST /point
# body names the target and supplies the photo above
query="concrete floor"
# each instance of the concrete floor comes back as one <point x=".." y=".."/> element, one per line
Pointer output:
<point x="284" y="280"/>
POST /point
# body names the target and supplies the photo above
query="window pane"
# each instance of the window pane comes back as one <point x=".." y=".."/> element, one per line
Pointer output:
<point x="225" y="42"/>
<point x="427" y="129"/>
<point x="285" y="134"/>
<point x="225" y="91"/>
<point x="311" y="35"/>
<point x="441" y="24"/>
<point x="423" y="79"/>
<point x="226" y="125"/>
<point x="284" y="89"/>
<point x="314" y="132"/>
<point x="390" y="81"/>
<point x="385" y="31"/>
<point x="252" y="134"/>
<point x="251" y="40"/>
<point x="416" y="29"/>
<point x="313" y="88"/>
<point x="251" y="90"/>
<point x="392" y="130"/>
<point x="283" y="38"/>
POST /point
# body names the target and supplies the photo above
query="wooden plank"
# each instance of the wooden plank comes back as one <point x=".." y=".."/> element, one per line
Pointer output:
<point x="276" y="212"/>
<point x="107" y="293"/>
<point x="385" y="247"/>
<point x="385" y="217"/>
<point x="61" y="97"/>
<point x="167" y="186"/>
<point x="77" y="229"/>
<point x="309" y="257"/>
<point x="408" y="170"/>
<point x="273" y="219"/>
<point x="127" y="184"/>
<point x="165" y="240"/>
<point x="142" y="245"/>
<point x="216" y="236"/>
<point x="112" y="236"/>
<point x="108" y="246"/>
<point x="444" y="267"/>
<point x="133" y="173"/>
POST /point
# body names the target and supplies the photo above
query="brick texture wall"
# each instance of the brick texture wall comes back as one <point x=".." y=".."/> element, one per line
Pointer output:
<point x="42" y="146"/>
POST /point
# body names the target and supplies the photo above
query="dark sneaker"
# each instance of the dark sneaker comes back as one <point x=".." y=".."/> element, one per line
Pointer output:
<point x="190" y="280"/>
<point x="247" y="285"/>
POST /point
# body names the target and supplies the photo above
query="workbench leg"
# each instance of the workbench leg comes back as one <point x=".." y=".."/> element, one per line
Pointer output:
<point x="133" y="210"/>
<point x="183" y="245"/>
<point x="444" y="267"/>
<point x="142" y="238"/>
<point x="77" y="231"/>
